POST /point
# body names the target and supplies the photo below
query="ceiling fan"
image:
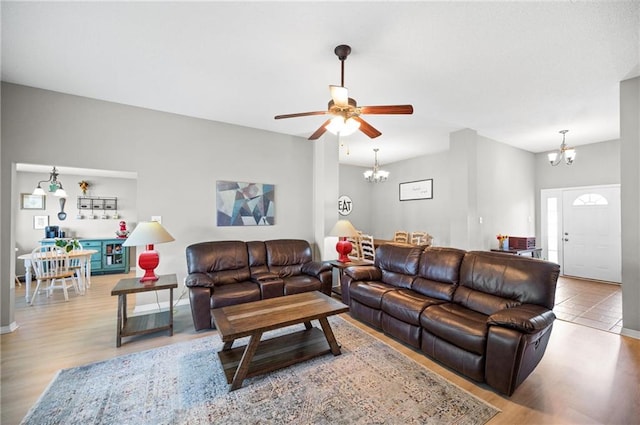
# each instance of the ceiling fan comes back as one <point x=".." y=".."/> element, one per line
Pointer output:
<point x="345" y="110"/>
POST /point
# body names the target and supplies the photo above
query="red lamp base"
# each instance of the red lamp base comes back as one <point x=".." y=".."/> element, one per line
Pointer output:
<point x="344" y="248"/>
<point x="148" y="261"/>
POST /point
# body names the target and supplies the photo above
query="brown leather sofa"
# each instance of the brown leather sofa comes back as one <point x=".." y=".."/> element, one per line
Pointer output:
<point x="223" y="273"/>
<point x="486" y="315"/>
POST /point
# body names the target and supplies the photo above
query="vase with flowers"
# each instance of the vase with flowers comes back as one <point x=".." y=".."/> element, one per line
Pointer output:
<point x="503" y="242"/>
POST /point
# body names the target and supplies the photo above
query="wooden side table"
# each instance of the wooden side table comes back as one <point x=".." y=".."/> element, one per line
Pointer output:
<point x="340" y="266"/>
<point x="145" y="323"/>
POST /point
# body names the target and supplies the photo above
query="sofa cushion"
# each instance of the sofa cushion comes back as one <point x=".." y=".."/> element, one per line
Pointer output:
<point x="223" y="261"/>
<point x="285" y="257"/>
<point x="301" y="283"/>
<point x="398" y="263"/>
<point x="257" y="258"/>
<point x="438" y="272"/>
<point x="242" y="292"/>
<point x="458" y="325"/>
<point x="369" y="293"/>
<point x="406" y="305"/>
<point x="490" y="282"/>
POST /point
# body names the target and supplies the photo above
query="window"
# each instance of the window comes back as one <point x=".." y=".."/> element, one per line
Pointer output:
<point x="590" y="199"/>
<point x="552" y="229"/>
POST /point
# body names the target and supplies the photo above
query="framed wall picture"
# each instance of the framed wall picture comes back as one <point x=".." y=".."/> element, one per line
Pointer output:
<point x="32" y="202"/>
<point x="419" y="189"/>
<point x="245" y="204"/>
<point x="40" y="221"/>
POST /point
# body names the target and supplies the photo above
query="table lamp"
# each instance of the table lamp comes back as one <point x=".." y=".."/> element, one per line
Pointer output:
<point x="148" y="233"/>
<point x="343" y="229"/>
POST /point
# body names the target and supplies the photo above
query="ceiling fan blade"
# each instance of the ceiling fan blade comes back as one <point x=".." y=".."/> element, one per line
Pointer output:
<point x="319" y="132"/>
<point x="340" y="95"/>
<point x="387" y="109"/>
<point x="367" y="128"/>
<point x="300" y="114"/>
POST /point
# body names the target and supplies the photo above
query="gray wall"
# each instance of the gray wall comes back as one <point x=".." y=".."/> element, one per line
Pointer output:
<point x="462" y="194"/>
<point x="630" y="197"/>
<point x="178" y="160"/>
<point x="27" y="237"/>
<point x="353" y="184"/>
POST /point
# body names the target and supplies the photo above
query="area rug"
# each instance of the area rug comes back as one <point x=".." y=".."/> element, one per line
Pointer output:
<point x="369" y="383"/>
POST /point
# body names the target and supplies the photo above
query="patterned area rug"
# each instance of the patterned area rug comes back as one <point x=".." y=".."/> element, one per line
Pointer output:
<point x="370" y="383"/>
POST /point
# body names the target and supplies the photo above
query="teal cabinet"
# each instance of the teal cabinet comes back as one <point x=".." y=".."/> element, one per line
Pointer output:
<point x="111" y="257"/>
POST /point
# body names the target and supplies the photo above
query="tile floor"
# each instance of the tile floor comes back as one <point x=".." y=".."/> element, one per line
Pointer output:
<point x="590" y="303"/>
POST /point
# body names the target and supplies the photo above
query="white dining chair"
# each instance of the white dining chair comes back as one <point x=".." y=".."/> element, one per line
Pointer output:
<point x="52" y="267"/>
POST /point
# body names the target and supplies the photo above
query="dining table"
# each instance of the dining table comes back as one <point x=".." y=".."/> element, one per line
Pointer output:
<point x="84" y="259"/>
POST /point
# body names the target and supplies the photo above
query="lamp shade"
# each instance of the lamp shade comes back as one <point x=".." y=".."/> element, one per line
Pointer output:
<point x="148" y="233"/>
<point x="343" y="228"/>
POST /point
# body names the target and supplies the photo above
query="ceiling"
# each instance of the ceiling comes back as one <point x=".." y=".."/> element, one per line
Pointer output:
<point x="517" y="72"/>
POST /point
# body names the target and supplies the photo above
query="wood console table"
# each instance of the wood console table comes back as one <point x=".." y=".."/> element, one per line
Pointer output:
<point x="532" y="252"/>
<point x="145" y="323"/>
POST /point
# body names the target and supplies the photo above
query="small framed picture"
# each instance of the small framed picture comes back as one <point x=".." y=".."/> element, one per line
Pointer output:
<point x="420" y="189"/>
<point x="31" y="202"/>
<point x="40" y="221"/>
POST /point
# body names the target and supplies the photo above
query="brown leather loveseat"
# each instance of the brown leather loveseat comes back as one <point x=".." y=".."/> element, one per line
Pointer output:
<point x="486" y="315"/>
<point x="223" y="273"/>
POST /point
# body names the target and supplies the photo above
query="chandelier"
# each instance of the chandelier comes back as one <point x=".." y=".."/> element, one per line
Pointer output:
<point x="55" y="185"/>
<point x="376" y="175"/>
<point x="569" y="154"/>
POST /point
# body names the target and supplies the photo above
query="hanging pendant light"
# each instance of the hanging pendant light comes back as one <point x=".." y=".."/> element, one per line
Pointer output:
<point x="569" y="154"/>
<point x="55" y="185"/>
<point x="376" y="175"/>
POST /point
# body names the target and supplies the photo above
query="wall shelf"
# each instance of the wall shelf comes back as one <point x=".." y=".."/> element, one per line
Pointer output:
<point x="97" y="203"/>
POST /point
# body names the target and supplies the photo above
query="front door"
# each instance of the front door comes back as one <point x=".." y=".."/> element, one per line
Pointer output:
<point x="591" y="235"/>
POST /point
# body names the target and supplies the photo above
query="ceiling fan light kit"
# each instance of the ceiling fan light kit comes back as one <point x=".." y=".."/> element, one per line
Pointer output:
<point x="346" y="113"/>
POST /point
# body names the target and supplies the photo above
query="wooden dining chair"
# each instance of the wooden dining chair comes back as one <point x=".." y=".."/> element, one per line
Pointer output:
<point x="367" y="248"/>
<point x="401" y="236"/>
<point x="52" y="267"/>
<point x="421" y="238"/>
<point x="356" y="251"/>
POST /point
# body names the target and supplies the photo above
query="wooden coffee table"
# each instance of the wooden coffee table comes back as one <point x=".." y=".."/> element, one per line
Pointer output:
<point x="254" y="318"/>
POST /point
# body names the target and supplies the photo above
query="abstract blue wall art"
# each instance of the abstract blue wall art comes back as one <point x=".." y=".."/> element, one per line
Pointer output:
<point x="245" y="204"/>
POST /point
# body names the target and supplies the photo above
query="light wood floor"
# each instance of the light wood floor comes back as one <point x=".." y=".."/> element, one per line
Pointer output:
<point x="587" y="375"/>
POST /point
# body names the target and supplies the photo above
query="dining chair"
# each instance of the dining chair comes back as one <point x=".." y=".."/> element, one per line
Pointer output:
<point x="77" y="265"/>
<point x="367" y="248"/>
<point x="401" y="236"/>
<point x="52" y="267"/>
<point x="421" y="238"/>
<point x="356" y="252"/>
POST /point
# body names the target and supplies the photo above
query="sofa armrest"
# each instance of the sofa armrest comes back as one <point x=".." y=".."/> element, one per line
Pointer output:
<point x="526" y="318"/>
<point x="200" y="300"/>
<point x="314" y="268"/>
<point x="199" y="279"/>
<point x="363" y="273"/>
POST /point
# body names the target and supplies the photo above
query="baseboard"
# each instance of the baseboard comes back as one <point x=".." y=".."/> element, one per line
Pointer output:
<point x="146" y="308"/>
<point x="630" y="332"/>
<point x="8" y="329"/>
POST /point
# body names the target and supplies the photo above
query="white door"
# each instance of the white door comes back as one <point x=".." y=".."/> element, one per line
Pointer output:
<point x="591" y="235"/>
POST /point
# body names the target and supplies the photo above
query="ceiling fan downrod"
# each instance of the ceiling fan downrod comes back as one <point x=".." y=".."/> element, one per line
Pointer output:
<point x="342" y="51"/>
